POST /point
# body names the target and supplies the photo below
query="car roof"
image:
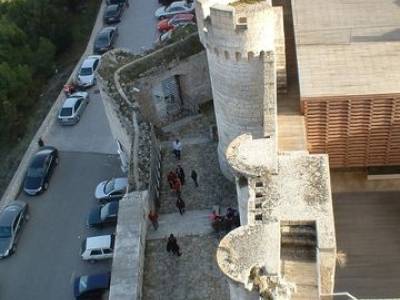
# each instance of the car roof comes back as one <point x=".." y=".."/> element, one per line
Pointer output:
<point x="70" y="102"/>
<point x="9" y="213"/>
<point x="88" y="62"/>
<point x="112" y="7"/>
<point x="101" y="241"/>
<point x="106" y="29"/>
<point x="98" y="281"/>
<point x="44" y="151"/>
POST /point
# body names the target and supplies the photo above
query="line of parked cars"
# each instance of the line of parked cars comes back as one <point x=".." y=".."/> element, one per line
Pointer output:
<point x="173" y="14"/>
<point x="100" y="247"/>
<point x="77" y="99"/>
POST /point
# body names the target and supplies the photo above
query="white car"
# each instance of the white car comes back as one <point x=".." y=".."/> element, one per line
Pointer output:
<point x="111" y="190"/>
<point x="98" y="247"/>
<point x="73" y="108"/>
<point x="179" y="7"/>
<point x="86" y="74"/>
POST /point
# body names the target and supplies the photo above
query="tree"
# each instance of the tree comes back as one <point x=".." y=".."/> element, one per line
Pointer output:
<point x="43" y="58"/>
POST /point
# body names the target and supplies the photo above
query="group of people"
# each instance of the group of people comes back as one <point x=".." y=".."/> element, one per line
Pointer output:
<point x="225" y="222"/>
<point x="176" y="180"/>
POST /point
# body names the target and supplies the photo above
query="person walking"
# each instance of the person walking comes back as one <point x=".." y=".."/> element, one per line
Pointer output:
<point x="193" y="175"/>
<point x="180" y="173"/>
<point x="180" y="204"/>
<point x="40" y="142"/>
<point x="177" y="149"/>
<point x="172" y="245"/>
<point x="153" y="217"/>
<point x="177" y="187"/>
<point x="171" y="177"/>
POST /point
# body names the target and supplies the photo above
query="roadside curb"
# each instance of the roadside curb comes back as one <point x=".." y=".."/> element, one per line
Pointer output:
<point x="15" y="184"/>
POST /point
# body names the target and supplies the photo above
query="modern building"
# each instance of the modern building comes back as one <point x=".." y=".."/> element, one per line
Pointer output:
<point x="348" y="58"/>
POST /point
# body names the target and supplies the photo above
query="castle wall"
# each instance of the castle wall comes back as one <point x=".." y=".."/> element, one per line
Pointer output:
<point x="193" y="79"/>
<point x="237" y="39"/>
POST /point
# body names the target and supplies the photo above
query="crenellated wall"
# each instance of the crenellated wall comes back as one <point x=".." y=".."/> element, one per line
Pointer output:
<point x="240" y="40"/>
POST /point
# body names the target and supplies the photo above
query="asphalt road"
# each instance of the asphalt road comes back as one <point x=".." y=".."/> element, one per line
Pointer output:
<point x="48" y="253"/>
<point x="91" y="134"/>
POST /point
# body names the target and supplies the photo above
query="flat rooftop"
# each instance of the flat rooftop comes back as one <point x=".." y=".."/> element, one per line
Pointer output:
<point x="347" y="47"/>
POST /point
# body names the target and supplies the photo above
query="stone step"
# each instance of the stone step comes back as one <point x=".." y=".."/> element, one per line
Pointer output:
<point x="298" y="241"/>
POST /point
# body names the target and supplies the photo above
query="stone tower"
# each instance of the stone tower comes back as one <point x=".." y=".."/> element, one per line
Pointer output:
<point x="240" y="37"/>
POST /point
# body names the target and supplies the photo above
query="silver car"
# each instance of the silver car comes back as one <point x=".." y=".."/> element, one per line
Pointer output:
<point x="178" y="7"/>
<point x="11" y="219"/>
<point x="73" y="108"/>
<point x="86" y="74"/>
<point x="111" y="190"/>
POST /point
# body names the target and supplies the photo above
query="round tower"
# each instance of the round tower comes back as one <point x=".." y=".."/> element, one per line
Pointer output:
<point x="237" y="36"/>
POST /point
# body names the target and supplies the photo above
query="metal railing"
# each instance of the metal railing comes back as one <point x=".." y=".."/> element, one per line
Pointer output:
<point x="332" y="295"/>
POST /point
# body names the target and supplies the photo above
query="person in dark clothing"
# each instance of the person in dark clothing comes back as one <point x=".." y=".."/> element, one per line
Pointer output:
<point x="180" y="173"/>
<point x="180" y="204"/>
<point x="40" y="142"/>
<point x="172" y="245"/>
<point x="194" y="177"/>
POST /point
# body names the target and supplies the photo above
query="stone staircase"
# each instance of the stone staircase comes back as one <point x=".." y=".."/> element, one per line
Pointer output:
<point x="298" y="259"/>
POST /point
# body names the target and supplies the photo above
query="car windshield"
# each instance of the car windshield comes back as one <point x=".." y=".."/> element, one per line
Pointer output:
<point x="83" y="284"/>
<point x="102" y="40"/>
<point x="105" y="211"/>
<point x="5" y="231"/>
<point x="85" y="71"/>
<point x="109" y="186"/>
<point x="66" y="112"/>
<point x="35" y="172"/>
<point x="112" y="10"/>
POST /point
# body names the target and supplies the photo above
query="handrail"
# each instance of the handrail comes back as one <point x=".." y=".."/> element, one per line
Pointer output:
<point x="347" y="294"/>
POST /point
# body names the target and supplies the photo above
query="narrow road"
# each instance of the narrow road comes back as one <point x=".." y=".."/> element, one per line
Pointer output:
<point x="47" y="258"/>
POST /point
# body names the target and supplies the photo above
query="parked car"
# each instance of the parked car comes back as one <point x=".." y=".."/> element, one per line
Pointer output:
<point x="105" y="39"/>
<point x="40" y="169"/>
<point x="91" y="286"/>
<point x="112" y="13"/>
<point x="112" y="189"/>
<point x="73" y="108"/>
<point x="86" y="74"/>
<point x="11" y="219"/>
<point x="98" y="247"/>
<point x="179" y="19"/>
<point x="179" y="7"/>
<point x="103" y="215"/>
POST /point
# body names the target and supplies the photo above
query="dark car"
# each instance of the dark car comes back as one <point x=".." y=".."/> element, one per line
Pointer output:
<point x="105" y="39"/>
<point x="112" y="14"/>
<point x="40" y="169"/>
<point x="11" y="219"/>
<point x="91" y="286"/>
<point x="103" y="215"/>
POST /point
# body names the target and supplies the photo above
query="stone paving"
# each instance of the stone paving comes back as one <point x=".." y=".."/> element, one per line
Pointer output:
<point x="213" y="188"/>
<point x="192" y="276"/>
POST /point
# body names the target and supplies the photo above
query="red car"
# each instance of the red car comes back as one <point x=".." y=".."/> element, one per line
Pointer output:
<point x="180" y="19"/>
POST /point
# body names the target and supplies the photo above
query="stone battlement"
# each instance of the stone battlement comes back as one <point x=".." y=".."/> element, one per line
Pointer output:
<point x="237" y="29"/>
